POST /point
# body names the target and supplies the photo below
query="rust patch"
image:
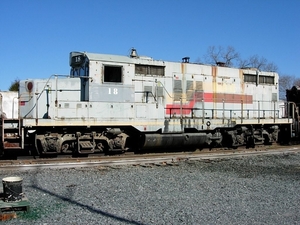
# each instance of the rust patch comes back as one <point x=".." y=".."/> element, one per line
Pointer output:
<point x="11" y="145"/>
<point x="7" y="216"/>
<point x="241" y="75"/>
<point x="214" y="71"/>
<point x="10" y="135"/>
<point x="183" y="68"/>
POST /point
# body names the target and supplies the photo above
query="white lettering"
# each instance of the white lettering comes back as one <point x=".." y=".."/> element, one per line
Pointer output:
<point x="114" y="91"/>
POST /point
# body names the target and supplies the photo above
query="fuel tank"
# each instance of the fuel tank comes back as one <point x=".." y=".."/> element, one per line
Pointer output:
<point x="174" y="140"/>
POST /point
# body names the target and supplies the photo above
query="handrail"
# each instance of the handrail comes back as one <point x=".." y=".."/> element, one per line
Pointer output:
<point x="224" y="117"/>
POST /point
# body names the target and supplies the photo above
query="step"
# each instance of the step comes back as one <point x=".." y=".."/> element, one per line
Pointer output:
<point x="86" y="145"/>
<point x="86" y="151"/>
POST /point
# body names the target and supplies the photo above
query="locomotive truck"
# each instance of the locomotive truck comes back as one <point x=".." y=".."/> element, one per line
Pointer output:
<point x="113" y="103"/>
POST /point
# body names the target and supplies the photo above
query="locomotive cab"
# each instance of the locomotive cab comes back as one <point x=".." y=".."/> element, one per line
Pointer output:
<point x="101" y="79"/>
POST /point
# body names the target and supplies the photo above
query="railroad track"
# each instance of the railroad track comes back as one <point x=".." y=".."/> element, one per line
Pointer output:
<point x="146" y="160"/>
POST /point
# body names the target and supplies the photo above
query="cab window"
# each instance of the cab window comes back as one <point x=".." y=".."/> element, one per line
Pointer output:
<point x="113" y="74"/>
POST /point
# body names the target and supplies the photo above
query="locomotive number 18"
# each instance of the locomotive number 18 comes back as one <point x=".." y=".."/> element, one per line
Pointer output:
<point x="112" y="91"/>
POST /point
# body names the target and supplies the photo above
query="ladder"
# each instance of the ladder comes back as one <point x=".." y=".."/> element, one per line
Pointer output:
<point x="11" y="136"/>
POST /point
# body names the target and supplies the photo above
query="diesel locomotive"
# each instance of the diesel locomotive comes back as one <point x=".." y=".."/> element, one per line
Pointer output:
<point x="113" y="103"/>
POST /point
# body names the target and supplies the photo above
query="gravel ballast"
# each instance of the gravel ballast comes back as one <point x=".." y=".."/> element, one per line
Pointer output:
<point x="248" y="190"/>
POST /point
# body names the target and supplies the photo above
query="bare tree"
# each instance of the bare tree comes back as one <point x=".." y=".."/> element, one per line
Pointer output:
<point x="260" y="63"/>
<point x="271" y="67"/>
<point x="286" y="82"/>
<point x="230" y="55"/>
<point x="297" y="82"/>
<point x="215" y="55"/>
<point x="231" y="58"/>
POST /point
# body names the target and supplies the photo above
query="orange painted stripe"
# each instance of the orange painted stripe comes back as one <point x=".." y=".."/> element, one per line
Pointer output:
<point x="208" y="98"/>
<point x="227" y="98"/>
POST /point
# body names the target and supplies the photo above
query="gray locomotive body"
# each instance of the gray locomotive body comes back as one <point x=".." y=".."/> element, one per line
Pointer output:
<point x="119" y="103"/>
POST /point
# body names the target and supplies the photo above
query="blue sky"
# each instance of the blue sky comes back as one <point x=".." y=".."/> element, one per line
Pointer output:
<point x="37" y="36"/>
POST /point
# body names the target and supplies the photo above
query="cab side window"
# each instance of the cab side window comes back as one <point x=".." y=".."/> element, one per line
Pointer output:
<point x="113" y="74"/>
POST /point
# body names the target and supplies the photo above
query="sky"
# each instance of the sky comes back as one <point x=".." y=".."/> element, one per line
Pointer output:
<point x="37" y="36"/>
